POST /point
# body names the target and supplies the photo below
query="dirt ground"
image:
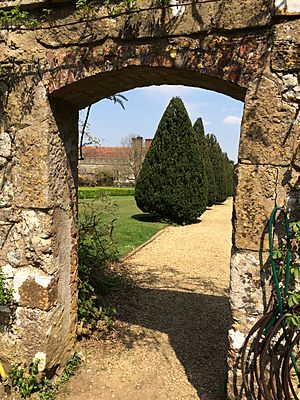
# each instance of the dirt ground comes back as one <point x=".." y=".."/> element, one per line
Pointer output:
<point x="172" y="322"/>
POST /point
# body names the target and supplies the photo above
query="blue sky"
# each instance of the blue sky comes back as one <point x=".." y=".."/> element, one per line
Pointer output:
<point x="145" y="106"/>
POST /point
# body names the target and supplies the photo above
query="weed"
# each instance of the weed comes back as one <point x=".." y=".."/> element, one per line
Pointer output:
<point x="16" y="18"/>
<point x="6" y="294"/>
<point x="81" y="3"/>
<point x="26" y="382"/>
<point x="95" y="277"/>
<point x="162" y="3"/>
<point x="90" y="312"/>
<point x="29" y="382"/>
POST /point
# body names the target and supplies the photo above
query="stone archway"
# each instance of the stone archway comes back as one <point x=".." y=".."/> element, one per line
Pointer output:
<point x="247" y="51"/>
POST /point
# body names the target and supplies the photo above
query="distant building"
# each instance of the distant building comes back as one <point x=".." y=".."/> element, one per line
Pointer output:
<point x="121" y="163"/>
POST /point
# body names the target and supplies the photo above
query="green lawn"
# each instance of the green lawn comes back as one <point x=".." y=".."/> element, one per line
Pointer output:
<point x="132" y="227"/>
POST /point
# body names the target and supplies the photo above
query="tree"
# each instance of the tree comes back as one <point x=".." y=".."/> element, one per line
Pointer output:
<point x="211" y="184"/>
<point x="217" y="161"/>
<point x="229" y="173"/>
<point x="132" y="154"/>
<point x="172" y="183"/>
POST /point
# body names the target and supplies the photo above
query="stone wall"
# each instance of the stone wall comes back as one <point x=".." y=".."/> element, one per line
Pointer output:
<point x="248" y="50"/>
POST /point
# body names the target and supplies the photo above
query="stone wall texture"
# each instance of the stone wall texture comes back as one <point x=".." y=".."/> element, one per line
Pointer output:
<point x="248" y="50"/>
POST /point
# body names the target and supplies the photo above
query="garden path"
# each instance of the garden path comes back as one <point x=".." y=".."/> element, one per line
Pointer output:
<point x="171" y="339"/>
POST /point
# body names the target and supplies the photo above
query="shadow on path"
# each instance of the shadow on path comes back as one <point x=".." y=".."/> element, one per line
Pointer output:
<point x="197" y="326"/>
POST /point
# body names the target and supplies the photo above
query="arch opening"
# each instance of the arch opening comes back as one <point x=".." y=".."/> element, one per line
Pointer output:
<point x="201" y="382"/>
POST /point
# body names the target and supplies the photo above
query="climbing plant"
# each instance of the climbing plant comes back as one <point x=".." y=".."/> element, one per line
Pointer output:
<point x="293" y="298"/>
<point x="16" y="17"/>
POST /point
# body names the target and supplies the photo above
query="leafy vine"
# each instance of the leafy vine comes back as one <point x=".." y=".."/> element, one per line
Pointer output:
<point x="292" y="301"/>
<point x="16" y="17"/>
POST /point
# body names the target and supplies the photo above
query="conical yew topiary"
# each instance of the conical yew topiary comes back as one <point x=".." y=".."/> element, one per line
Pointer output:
<point x="211" y="184"/>
<point x="229" y="175"/>
<point x="172" y="183"/>
<point x="218" y="164"/>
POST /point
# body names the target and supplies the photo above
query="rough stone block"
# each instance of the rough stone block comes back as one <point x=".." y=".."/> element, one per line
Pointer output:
<point x="32" y="177"/>
<point x="7" y="188"/>
<point x="31" y="326"/>
<point x="259" y="188"/>
<point x="5" y="315"/>
<point x="269" y="131"/>
<point x="235" y="14"/>
<point x="249" y="293"/>
<point x="38" y="292"/>
<point x="27" y="239"/>
<point x="5" y="146"/>
<point x="6" y="165"/>
<point x="62" y="330"/>
<point x="285" y="54"/>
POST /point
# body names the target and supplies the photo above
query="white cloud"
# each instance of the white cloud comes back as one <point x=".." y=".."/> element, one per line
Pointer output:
<point x="232" y="120"/>
<point x="169" y="90"/>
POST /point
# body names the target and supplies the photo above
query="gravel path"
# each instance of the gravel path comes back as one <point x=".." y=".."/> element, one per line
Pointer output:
<point x="173" y="321"/>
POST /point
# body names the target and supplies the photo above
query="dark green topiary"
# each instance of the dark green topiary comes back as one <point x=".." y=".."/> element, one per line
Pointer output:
<point x="211" y="184"/>
<point x="218" y="163"/>
<point x="229" y="175"/>
<point x="172" y="183"/>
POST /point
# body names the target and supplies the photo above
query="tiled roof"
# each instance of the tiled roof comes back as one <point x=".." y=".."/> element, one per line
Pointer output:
<point x="105" y="152"/>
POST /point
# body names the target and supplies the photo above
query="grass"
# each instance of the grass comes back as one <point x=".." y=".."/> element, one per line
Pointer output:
<point x="133" y="227"/>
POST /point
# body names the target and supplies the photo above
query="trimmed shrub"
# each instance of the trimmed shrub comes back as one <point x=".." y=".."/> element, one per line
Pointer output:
<point x="218" y="164"/>
<point x="210" y="177"/>
<point x="229" y="175"/>
<point x="172" y="183"/>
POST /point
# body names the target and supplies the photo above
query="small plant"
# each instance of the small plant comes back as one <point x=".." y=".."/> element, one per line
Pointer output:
<point x="70" y="368"/>
<point x="16" y="18"/>
<point x="95" y="276"/>
<point x="90" y="312"/>
<point x="81" y="3"/>
<point x="29" y="382"/>
<point x="116" y="9"/>
<point x="26" y="382"/>
<point x="6" y="294"/>
<point x="162" y="3"/>
<point x="48" y="389"/>
<point x="46" y="14"/>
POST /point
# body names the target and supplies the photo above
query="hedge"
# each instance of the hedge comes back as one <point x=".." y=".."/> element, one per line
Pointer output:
<point x="94" y="192"/>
